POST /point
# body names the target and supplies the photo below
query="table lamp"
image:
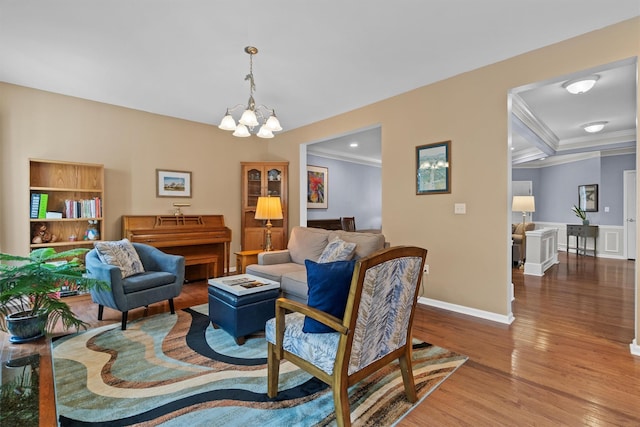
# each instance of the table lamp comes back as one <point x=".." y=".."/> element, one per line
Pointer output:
<point x="268" y="208"/>
<point x="523" y="204"/>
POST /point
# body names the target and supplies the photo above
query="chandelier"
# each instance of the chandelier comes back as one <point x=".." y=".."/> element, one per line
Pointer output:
<point x="254" y="114"/>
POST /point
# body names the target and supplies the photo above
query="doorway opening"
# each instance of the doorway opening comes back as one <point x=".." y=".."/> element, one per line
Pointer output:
<point x="352" y="163"/>
<point x="548" y="145"/>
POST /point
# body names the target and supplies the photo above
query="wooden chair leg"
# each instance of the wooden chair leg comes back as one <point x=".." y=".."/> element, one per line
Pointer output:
<point x="124" y="320"/>
<point x="273" y="371"/>
<point x="173" y="310"/>
<point x="341" y="403"/>
<point x="100" y="311"/>
<point x="407" y="377"/>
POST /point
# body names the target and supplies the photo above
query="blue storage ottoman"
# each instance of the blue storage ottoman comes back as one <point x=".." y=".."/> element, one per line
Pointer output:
<point x="241" y="315"/>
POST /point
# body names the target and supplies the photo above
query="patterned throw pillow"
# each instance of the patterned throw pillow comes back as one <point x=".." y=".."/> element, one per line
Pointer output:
<point x="122" y="254"/>
<point x="337" y="250"/>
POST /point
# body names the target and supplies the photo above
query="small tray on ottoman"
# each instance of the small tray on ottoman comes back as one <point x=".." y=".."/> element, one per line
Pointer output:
<point x="244" y="314"/>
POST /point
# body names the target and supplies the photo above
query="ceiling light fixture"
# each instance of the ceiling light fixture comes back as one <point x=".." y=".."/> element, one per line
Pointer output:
<point x="353" y="145"/>
<point x="580" y="85"/>
<point x="594" y="126"/>
<point x="253" y="113"/>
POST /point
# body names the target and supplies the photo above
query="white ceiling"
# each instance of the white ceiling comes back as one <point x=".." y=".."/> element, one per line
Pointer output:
<point x="186" y="58"/>
<point x="547" y="120"/>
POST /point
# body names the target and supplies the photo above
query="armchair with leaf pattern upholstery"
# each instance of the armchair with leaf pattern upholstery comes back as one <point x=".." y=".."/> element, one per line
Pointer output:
<point x="375" y="330"/>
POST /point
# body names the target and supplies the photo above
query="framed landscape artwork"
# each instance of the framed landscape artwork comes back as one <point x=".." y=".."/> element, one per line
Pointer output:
<point x="171" y="183"/>
<point x="317" y="185"/>
<point x="588" y="197"/>
<point x="433" y="168"/>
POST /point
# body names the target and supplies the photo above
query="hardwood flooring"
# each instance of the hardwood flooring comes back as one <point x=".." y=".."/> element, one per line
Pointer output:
<point x="565" y="359"/>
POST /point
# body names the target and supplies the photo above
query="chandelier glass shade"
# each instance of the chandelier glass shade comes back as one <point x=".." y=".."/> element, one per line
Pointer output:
<point x="253" y="115"/>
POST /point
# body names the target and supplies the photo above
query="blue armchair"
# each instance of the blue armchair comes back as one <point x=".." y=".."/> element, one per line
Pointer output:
<point x="162" y="279"/>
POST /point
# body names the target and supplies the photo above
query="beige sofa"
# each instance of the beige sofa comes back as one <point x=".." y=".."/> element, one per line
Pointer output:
<point x="287" y="266"/>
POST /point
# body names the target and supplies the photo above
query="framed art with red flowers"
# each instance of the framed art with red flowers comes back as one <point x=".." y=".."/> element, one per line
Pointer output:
<point x="317" y="186"/>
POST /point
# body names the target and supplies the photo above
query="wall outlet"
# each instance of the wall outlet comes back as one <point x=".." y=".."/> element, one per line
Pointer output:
<point x="426" y="269"/>
<point x="460" y="208"/>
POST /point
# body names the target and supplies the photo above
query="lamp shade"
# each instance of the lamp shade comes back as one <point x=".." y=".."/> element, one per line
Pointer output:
<point x="241" y="131"/>
<point x="227" y="123"/>
<point x="269" y="208"/>
<point x="523" y="204"/>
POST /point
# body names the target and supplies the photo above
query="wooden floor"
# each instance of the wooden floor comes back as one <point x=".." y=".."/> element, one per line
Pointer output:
<point x="565" y="360"/>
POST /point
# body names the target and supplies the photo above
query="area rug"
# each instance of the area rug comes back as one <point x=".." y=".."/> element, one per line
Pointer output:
<point x="177" y="370"/>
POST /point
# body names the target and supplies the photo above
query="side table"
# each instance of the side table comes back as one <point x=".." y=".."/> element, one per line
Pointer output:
<point x="245" y="258"/>
<point x="584" y="231"/>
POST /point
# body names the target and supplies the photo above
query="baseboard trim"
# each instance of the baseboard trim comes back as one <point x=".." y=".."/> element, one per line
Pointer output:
<point x="635" y="348"/>
<point x="487" y="315"/>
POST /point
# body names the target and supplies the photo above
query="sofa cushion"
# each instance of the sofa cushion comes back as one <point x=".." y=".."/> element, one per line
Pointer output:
<point x="366" y="243"/>
<point x="294" y="285"/>
<point x="337" y="250"/>
<point x="274" y="271"/>
<point x="122" y="254"/>
<point x="147" y="280"/>
<point x="307" y="243"/>
<point x="329" y="285"/>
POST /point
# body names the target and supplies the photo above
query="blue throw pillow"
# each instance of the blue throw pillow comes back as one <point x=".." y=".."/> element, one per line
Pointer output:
<point x="328" y="285"/>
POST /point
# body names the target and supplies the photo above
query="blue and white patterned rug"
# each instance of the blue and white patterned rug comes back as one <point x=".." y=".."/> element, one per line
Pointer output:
<point x="177" y="370"/>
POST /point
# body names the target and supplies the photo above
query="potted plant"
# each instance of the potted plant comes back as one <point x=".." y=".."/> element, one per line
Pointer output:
<point x="29" y="292"/>
<point x="580" y="213"/>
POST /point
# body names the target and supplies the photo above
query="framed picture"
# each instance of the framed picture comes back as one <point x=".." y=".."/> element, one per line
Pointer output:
<point x="317" y="186"/>
<point x="173" y="183"/>
<point x="433" y="168"/>
<point x="588" y="197"/>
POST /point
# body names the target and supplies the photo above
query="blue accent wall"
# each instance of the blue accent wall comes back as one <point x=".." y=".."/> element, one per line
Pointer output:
<point x="556" y="188"/>
<point x="354" y="190"/>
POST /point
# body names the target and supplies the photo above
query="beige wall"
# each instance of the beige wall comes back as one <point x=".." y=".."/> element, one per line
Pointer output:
<point x="468" y="254"/>
<point x="131" y="144"/>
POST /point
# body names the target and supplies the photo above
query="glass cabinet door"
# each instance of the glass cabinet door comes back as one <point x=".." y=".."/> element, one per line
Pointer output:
<point x="254" y="186"/>
<point x="274" y="182"/>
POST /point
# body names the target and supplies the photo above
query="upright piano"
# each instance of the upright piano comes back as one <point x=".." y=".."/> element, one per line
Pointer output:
<point x="192" y="236"/>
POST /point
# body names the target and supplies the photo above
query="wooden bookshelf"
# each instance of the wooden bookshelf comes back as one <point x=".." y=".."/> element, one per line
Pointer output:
<point x="62" y="182"/>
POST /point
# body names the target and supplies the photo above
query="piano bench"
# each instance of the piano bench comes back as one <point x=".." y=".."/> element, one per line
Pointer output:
<point x="203" y="259"/>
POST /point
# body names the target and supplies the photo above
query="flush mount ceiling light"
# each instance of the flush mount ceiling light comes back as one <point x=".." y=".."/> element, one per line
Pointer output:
<point x="594" y="126"/>
<point x="580" y="85"/>
<point x="253" y="114"/>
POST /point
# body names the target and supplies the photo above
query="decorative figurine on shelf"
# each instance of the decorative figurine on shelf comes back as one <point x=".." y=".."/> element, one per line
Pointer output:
<point x="42" y="235"/>
<point x="92" y="230"/>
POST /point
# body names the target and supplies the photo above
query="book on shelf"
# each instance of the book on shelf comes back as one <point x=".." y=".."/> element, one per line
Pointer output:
<point x="84" y="208"/>
<point x="35" y="205"/>
<point x="54" y="215"/>
<point x="42" y="208"/>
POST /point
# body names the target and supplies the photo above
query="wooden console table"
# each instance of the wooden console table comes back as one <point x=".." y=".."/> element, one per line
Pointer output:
<point x="584" y="231"/>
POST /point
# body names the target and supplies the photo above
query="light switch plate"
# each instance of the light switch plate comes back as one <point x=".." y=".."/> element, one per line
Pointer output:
<point x="460" y="208"/>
